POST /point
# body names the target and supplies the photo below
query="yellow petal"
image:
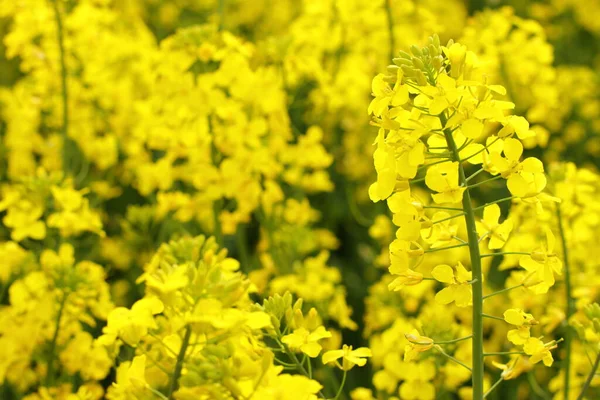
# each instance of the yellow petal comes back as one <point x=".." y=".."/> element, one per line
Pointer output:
<point x="443" y="273"/>
<point x="472" y="128"/>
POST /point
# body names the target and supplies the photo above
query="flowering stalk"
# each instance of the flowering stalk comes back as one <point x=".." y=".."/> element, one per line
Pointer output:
<point x="590" y="377"/>
<point x="50" y="371"/>
<point x="390" y="22"/>
<point x="179" y="364"/>
<point x="474" y="254"/>
<point x="569" y="302"/>
<point x="65" y="92"/>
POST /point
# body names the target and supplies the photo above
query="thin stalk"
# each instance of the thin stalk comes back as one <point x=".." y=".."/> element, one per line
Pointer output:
<point x="446" y="248"/>
<point x="569" y="300"/>
<point x="503" y="353"/>
<point x="459" y="239"/>
<point x="493" y="202"/>
<point x="287" y="365"/>
<point x="448" y="218"/>
<point x="484" y="182"/>
<point x="475" y="174"/>
<point x="443" y="208"/>
<point x="492" y="317"/>
<point x="536" y="387"/>
<point x="498" y="382"/>
<point x="179" y="363"/>
<point x="242" y="242"/>
<point x="341" y="389"/>
<point x="156" y="393"/>
<point x="503" y="253"/>
<point x="454" y="340"/>
<point x="390" y="24"/>
<point x="217" y="204"/>
<point x="64" y="88"/>
<point x="482" y="150"/>
<point x="477" y="285"/>
<point x="221" y="15"/>
<point x="299" y="367"/>
<point x="502" y="291"/>
<point x="452" y="358"/>
<point x="444" y="341"/>
<point x="53" y="343"/>
<point x="590" y="377"/>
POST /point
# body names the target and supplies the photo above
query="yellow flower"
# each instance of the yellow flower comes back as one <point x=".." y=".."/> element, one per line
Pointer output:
<point x="460" y="290"/>
<point x="405" y="278"/>
<point x="385" y="165"/>
<point x="306" y="341"/>
<point x="443" y="178"/>
<point x="523" y="321"/>
<point x="512" y="369"/>
<point x="524" y="178"/>
<point x="131" y="325"/>
<point x="349" y="357"/>
<point x="539" y="351"/>
<point x="542" y="264"/>
<point x="490" y="228"/>
<point x="416" y="344"/>
<point x="131" y="379"/>
<point x="386" y="96"/>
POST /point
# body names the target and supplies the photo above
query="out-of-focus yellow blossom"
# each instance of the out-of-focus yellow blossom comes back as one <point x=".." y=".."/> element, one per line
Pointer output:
<point x="416" y="344"/>
<point x="349" y="357"/>
<point x="539" y="351"/>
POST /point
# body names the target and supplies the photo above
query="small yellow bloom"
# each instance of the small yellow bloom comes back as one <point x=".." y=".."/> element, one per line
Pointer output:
<point x="490" y="227"/>
<point x="543" y="264"/>
<point x="460" y="290"/>
<point x="417" y="344"/>
<point x="443" y="178"/>
<point x="349" y="357"/>
<point x="539" y="351"/>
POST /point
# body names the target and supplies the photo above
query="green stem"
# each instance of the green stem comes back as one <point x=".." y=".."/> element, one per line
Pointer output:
<point x="50" y="372"/>
<point x="448" y="218"/>
<point x="217" y="204"/>
<point x="503" y="253"/>
<point x="569" y="300"/>
<point x="242" y="242"/>
<point x="477" y="285"/>
<point x="443" y="208"/>
<point x="341" y="389"/>
<point x="503" y="353"/>
<point x="536" y="387"/>
<point x="502" y="291"/>
<point x="482" y="150"/>
<point x="498" y="382"/>
<point x="299" y="367"/>
<point x="492" y="317"/>
<point x="390" y="24"/>
<point x="221" y="15"/>
<point x="484" y="182"/>
<point x="179" y="363"/>
<point x="493" y="202"/>
<point x="590" y="377"/>
<point x="475" y="174"/>
<point x="454" y="340"/>
<point x="446" y="248"/>
<point x="452" y="358"/>
<point x="65" y="92"/>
